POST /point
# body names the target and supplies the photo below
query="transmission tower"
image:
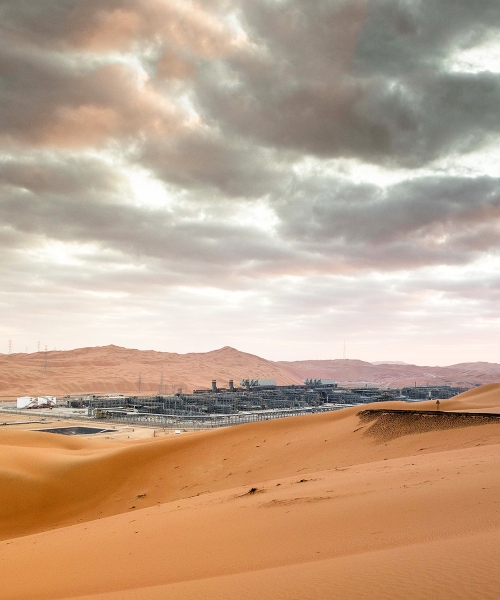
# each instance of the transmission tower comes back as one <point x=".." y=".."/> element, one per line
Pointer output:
<point x="10" y="346"/>
<point x="45" y="359"/>
<point x="344" y="354"/>
<point x="38" y="346"/>
<point x="160" y="388"/>
<point x="139" y="384"/>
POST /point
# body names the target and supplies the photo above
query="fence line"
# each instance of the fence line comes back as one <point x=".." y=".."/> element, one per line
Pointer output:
<point x="172" y="421"/>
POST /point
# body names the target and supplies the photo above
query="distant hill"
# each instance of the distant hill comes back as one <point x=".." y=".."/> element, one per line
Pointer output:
<point x="116" y="369"/>
<point x="394" y="374"/>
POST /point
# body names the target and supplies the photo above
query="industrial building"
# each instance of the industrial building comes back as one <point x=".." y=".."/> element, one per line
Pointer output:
<point x="425" y="392"/>
<point x="32" y="402"/>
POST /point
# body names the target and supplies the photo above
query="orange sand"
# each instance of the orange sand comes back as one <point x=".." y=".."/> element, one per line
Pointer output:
<point x="340" y="510"/>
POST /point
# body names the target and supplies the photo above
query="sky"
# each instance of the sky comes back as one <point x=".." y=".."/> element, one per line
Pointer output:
<point x="280" y="176"/>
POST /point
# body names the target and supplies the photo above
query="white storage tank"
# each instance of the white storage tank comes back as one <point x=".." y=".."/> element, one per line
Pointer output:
<point x="24" y="401"/>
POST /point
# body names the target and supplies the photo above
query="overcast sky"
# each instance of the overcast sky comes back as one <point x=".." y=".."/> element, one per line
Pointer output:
<point x="274" y="175"/>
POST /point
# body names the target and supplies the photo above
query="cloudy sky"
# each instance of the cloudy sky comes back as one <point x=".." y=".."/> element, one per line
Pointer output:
<point x="274" y="175"/>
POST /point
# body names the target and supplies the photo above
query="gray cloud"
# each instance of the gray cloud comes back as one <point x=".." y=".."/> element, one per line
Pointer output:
<point x="50" y="101"/>
<point x="398" y="36"/>
<point x="208" y="161"/>
<point x="380" y="215"/>
<point x="325" y="104"/>
<point x="116" y="24"/>
<point x="429" y="220"/>
<point x="81" y="202"/>
<point x="323" y="224"/>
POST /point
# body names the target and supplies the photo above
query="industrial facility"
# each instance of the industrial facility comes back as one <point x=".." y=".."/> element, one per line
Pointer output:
<point x="253" y="400"/>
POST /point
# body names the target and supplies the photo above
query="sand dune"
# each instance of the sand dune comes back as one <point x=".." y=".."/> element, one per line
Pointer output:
<point x="308" y="507"/>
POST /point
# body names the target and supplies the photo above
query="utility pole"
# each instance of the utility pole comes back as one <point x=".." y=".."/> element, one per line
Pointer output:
<point x="344" y="355"/>
<point x="139" y="384"/>
<point x="160" y="389"/>
<point x="38" y="346"/>
<point x="10" y="346"/>
<point x="45" y="359"/>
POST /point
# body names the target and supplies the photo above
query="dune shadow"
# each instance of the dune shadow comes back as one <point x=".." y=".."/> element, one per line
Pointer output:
<point x="388" y="425"/>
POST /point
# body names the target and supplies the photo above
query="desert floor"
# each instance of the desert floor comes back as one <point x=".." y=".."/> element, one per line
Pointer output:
<point x="319" y="507"/>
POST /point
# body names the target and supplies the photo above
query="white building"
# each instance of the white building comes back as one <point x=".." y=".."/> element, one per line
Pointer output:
<point x="46" y="400"/>
<point x="24" y="401"/>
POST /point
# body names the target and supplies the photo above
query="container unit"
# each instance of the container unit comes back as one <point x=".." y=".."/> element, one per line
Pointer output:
<point x="44" y="400"/>
<point x="25" y="401"/>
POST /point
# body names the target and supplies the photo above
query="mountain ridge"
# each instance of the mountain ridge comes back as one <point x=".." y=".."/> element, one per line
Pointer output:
<point x="111" y="368"/>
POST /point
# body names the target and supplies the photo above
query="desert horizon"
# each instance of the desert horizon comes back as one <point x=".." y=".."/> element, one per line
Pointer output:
<point x="111" y="368"/>
<point x="116" y="369"/>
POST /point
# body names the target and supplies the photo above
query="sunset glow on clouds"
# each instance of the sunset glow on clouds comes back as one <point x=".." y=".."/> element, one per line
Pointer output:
<point x="279" y="176"/>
